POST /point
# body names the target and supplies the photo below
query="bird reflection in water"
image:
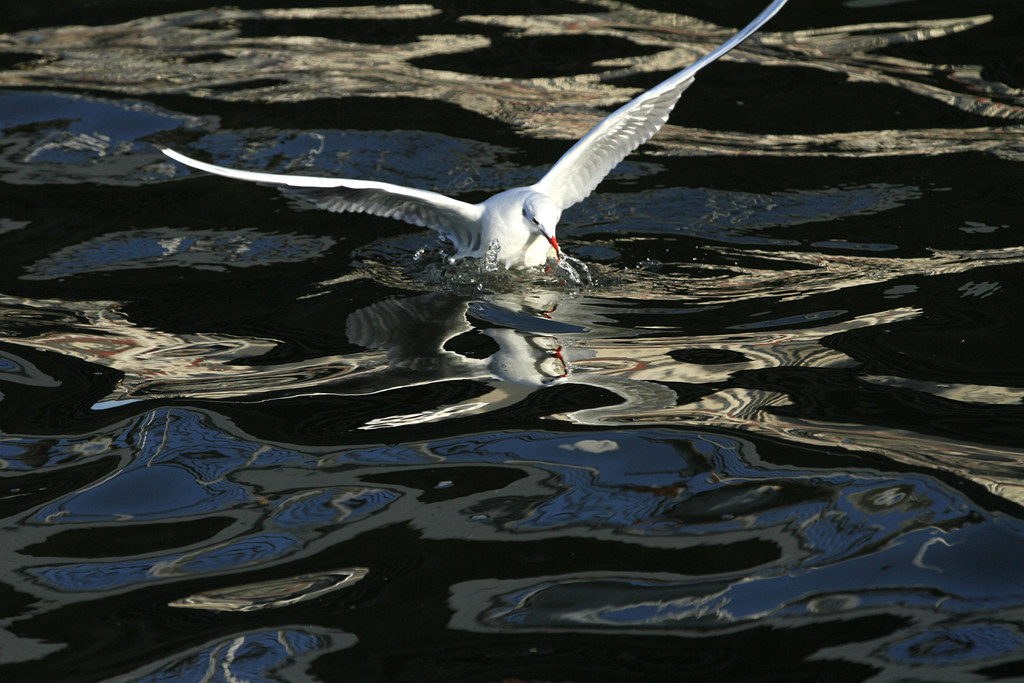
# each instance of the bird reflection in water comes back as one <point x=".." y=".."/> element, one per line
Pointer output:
<point x="511" y="345"/>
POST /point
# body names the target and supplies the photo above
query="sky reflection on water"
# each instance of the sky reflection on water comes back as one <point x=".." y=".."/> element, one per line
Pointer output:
<point x="768" y="542"/>
<point x="773" y="432"/>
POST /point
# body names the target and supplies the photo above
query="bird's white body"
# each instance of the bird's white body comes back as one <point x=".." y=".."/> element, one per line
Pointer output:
<point x="520" y="222"/>
<point x="502" y="224"/>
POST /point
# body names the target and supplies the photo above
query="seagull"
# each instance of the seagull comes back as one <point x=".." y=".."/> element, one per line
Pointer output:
<point x="520" y="221"/>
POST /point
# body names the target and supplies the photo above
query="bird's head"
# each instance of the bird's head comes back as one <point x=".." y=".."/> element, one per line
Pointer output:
<point x="541" y="214"/>
<point x="527" y="359"/>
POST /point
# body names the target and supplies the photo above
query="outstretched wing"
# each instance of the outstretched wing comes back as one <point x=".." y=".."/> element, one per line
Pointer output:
<point x="412" y="330"/>
<point x="419" y="207"/>
<point x="579" y="171"/>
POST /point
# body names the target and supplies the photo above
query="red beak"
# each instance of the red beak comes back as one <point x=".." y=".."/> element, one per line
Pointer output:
<point x="565" y="366"/>
<point x="554" y="243"/>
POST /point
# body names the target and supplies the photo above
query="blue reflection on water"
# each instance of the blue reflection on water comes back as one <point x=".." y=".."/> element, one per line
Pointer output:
<point x="902" y="575"/>
<point x="184" y="465"/>
<point x="733" y="217"/>
<point x="406" y="157"/>
<point x="207" y="249"/>
<point x="78" y="115"/>
<point x="245" y="551"/>
<point x="332" y="506"/>
<point x="261" y="657"/>
<point x="847" y="540"/>
<point x="95" y="576"/>
<point x="157" y="491"/>
<point x="179" y="466"/>
<point x="948" y="645"/>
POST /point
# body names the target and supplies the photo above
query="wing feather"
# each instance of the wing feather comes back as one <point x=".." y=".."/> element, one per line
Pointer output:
<point x="459" y="220"/>
<point x="579" y="171"/>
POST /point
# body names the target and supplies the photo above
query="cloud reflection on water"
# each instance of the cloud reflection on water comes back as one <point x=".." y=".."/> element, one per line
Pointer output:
<point x="207" y="54"/>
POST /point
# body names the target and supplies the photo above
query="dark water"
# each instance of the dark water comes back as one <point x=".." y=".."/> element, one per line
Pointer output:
<point x="776" y="436"/>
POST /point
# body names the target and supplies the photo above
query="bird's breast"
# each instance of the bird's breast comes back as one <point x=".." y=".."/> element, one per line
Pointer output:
<point x="503" y="223"/>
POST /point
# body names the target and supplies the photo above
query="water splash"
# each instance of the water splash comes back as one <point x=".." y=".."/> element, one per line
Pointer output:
<point x="489" y="262"/>
<point x="576" y="270"/>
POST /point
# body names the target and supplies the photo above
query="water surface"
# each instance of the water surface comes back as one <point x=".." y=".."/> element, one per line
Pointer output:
<point x="769" y="428"/>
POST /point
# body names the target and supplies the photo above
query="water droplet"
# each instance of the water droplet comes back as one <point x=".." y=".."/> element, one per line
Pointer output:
<point x="577" y="271"/>
<point x="490" y="263"/>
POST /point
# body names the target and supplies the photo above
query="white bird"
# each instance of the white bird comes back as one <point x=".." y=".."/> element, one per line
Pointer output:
<point x="521" y="221"/>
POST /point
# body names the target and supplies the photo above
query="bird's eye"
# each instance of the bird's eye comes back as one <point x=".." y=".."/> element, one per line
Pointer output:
<point x="535" y="221"/>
